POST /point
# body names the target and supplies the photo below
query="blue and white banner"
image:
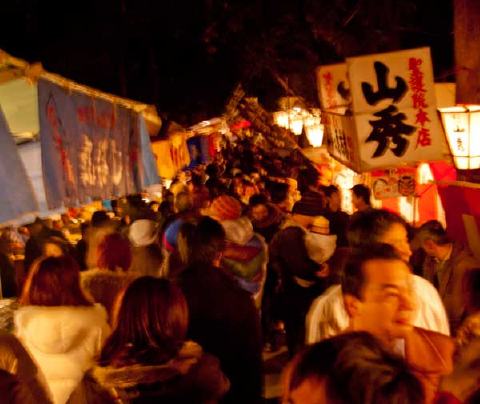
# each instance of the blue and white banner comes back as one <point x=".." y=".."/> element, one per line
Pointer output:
<point x="150" y="172"/>
<point x="16" y="192"/>
<point x="91" y="148"/>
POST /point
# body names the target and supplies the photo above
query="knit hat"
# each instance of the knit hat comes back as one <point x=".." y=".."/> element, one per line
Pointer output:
<point x="143" y="232"/>
<point x="224" y="207"/>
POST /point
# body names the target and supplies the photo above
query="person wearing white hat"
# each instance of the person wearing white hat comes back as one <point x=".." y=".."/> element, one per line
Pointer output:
<point x="147" y="256"/>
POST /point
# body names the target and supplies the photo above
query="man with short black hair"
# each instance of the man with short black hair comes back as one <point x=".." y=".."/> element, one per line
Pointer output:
<point x="223" y="317"/>
<point x="361" y="196"/>
<point x="377" y="288"/>
<point x="337" y="218"/>
<point x="446" y="264"/>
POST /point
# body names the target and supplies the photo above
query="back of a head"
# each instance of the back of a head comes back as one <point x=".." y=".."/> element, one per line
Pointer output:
<point x="353" y="277"/>
<point x="307" y="177"/>
<point x="54" y="281"/>
<point x="433" y="230"/>
<point x="367" y="227"/>
<point x="208" y="241"/>
<point x="278" y="191"/>
<point x="363" y="192"/>
<point x="114" y="252"/>
<point x="330" y="190"/>
<point x="99" y="218"/>
<point x="257" y="199"/>
<point x="150" y="323"/>
<point x="183" y="202"/>
<point x="356" y="370"/>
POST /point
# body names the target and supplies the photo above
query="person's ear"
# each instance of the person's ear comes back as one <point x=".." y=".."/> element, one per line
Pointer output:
<point x="352" y="305"/>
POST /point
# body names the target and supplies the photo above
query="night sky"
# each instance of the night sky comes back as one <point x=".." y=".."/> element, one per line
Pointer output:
<point x="186" y="56"/>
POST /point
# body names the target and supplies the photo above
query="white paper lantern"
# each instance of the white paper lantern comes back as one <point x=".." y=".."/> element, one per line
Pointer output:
<point x="462" y="127"/>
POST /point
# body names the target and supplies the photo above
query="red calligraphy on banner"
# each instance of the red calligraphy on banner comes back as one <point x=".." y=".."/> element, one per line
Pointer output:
<point x="89" y="116"/>
<point x="329" y="90"/>
<point x="417" y="86"/>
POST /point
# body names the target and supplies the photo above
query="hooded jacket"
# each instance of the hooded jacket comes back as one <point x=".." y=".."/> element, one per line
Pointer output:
<point x="14" y="359"/>
<point x="190" y="377"/>
<point x="245" y="257"/>
<point x="64" y="341"/>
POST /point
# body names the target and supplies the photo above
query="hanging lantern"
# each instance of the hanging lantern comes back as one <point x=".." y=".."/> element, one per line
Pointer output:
<point x="315" y="134"/>
<point x="462" y="127"/>
<point x="281" y="119"/>
<point x="296" y="125"/>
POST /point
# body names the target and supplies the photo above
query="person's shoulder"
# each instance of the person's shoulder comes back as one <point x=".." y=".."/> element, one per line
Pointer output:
<point x="423" y="286"/>
<point x="462" y="254"/>
<point x="433" y="351"/>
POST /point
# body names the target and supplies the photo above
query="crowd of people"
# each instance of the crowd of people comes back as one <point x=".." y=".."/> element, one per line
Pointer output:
<point x="175" y="301"/>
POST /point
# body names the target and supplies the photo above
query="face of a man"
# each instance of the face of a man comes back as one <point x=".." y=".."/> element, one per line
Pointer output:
<point x="396" y="235"/>
<point x="355" y="200"/>
<point x="334" y="202"/>
<point x="387" y="304"/>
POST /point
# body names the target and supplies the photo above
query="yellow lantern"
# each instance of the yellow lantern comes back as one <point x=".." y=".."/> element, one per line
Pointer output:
<point x="462" y="127"/>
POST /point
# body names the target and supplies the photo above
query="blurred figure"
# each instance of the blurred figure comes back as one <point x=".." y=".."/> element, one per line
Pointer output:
<point x="39" y="232"/>
<point x="352" y="368"/>
<point x="245" y="256"/>
<point x="147" y="255"/>
<point x="147" y="358"/>
<point x="299" y="255"/>
<point x="20" y="378"/>
<point x="266" y="218"/>
<point x="223" y="317"/>
<point x="58" y="325"/>
<point x="100" y="226"/>
<point x="470" y="328"/>
<point x="338" y="219"/>
<point x="445" y="266"/>
<point x="114" y="257"/>
<point x="8" y="281"/>
<point x="361" y="198"/>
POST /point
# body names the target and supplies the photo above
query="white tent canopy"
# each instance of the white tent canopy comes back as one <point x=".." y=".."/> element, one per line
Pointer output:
<point x="20" y="105"/>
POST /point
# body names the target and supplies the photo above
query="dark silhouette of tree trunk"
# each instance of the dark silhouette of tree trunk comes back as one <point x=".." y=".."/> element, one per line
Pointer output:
<point x="467" y="53"/>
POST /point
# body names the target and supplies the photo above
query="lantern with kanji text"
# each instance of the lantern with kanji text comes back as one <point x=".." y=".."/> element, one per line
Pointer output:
<point x="462" y="128"/>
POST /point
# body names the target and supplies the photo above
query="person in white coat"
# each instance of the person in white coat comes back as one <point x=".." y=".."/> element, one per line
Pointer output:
<point x="58" y="325"/>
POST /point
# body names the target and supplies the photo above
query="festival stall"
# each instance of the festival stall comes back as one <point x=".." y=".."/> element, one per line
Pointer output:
<point x="92" y="145"/>
<point x="381" y="121"/>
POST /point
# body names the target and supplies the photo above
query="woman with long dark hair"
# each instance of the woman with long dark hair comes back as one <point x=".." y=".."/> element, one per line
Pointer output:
<point x="147" y="356"/>
<point x="59" y="326"/>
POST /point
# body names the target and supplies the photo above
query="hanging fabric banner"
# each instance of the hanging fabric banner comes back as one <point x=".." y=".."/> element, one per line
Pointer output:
<point x="91" y="148"/>
<point x="16" y="191"/>
<point x="171" y="155"/>
<point x="149" y="164"/>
